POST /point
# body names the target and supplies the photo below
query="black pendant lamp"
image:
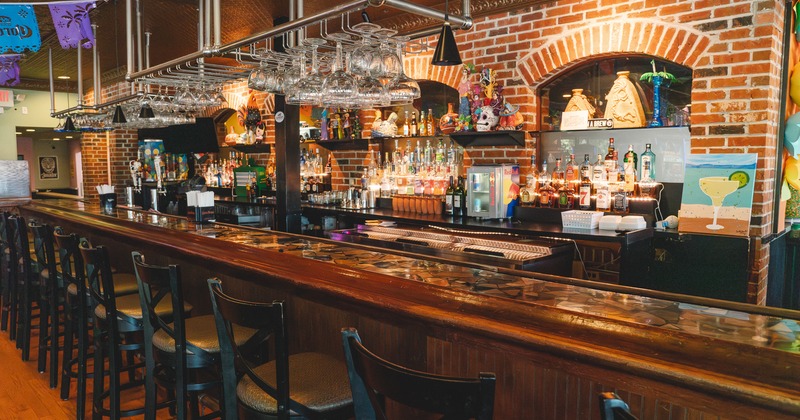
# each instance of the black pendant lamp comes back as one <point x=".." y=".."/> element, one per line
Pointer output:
<point x="446" y="52"/>
<point x="69" y="125"/>
<point x="119" y="116"/>
<point x="146" y="111"/>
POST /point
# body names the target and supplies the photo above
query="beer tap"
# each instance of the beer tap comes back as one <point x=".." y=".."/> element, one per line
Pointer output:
<point x="159" y="187"/>
<point x="136" y="175"/>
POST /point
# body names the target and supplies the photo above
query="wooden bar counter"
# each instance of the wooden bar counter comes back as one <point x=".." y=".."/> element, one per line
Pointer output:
<point x="554" y="343"/>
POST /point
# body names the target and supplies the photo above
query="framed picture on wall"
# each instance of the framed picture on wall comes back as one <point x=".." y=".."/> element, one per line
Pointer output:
<point x="48" y="167"/>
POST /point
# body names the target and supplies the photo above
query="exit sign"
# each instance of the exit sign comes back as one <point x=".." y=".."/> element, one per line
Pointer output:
<point x="6" y="98"/>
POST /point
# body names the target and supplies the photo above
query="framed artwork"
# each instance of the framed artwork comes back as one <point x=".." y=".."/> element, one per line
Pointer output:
<point x="718" y="194"/>
<point x="48" y="167"/>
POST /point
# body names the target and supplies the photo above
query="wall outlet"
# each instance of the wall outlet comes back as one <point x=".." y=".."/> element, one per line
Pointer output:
<point x="24" y="110"/>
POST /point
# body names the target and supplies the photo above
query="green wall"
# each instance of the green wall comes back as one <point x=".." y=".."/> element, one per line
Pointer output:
<point x="38" y="107"/>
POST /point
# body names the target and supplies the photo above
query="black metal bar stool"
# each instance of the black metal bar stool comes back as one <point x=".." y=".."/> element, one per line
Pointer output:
<point x="5" y="271"/>
<point x="51" y="299"/>
<point x="310" y="385"/>
<point x="181" y="354"/>
<point x="117" y="329"/>
<point x="27" y="286"/>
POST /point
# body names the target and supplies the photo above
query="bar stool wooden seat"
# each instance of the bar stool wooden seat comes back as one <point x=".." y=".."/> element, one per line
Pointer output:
<point x="308" y="385"/>
<point x="181" y="354"/>
<point x="613" y="408"/>
<point x="373" y="379"/>
<point x="117" y="329"/>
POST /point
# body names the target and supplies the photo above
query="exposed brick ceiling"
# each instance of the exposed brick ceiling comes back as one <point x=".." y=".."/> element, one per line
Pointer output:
<point x="173" y="24"/>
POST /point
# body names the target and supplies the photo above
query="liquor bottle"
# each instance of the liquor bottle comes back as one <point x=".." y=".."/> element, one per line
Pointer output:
<point x="571" y="171"/>
<point x="406" y="127"/>
<point x="414" y="124"/>
<point x="457" y="193"/>
<point x="599" y="170"/>
<point x="585" y="194"/>
<point x="629" y="165"/>
<point x="547" y="195"/>
<point x="603" y="202"/>
<point x="429" y="128"/>
<point x="557" y="177"/>
<point x="620" y="201"/>
<point x="610" y="161"/>
<point x="448" y="198"/>
<point x="329" y="164"/>
<point x="648" y="172"/>
<point x="421" y="129"/>
<point x="566" y="196"/>
<point x="586" y="169"/>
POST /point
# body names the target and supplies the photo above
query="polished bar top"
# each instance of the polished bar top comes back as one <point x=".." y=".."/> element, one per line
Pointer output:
<point x="700" y="320"/>
<point x="711" y="349"/>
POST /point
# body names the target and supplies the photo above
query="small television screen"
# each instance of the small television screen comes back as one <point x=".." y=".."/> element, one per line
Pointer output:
<point x="186" y="138"/>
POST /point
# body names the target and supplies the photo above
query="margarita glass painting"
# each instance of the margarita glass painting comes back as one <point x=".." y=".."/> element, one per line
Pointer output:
<point x="718" y="194"/>
<point x="717" y="188"/>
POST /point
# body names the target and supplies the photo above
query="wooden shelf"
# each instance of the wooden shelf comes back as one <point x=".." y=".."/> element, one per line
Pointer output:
<point x="489" y="138"/>
<point x="250" y="148"/>
<point x="362" y="144"/>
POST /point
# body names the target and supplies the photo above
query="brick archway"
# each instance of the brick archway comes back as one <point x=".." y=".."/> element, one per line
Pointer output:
<point x="671" y="42"/>
<point x="419" y="68"/>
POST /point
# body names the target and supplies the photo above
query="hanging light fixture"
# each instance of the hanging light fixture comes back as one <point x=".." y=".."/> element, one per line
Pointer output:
<point x="69" y="125"/>
<point x="119" y="116"/>
<point x="446" y="52"/>
<point x="146" y="111"/>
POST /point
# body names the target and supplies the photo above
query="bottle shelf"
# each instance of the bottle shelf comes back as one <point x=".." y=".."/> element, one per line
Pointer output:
<point x="489" y="138"/>
<point x="250" y="148"/>
<point x="333" y="145"/>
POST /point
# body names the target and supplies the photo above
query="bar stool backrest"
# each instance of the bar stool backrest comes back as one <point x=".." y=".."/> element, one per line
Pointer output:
<point x="101" y="287"/>
<point x="20" y="242"/>
<point x="268" y="319"/>
<point x="372" y="379"/>
<point x="71" y="262"/>
<point x="45" y="255"/>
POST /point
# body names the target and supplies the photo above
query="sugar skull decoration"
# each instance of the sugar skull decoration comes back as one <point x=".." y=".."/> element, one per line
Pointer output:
<point x="487" y="120"/>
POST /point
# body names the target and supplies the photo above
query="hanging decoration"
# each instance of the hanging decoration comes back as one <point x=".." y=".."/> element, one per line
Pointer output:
<point x="18" y="29"/>
<point x="73" y="24"/>
<point x="9" y="69"/>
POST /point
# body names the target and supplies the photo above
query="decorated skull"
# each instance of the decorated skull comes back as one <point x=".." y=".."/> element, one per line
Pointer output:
<point x="487" y="120"/>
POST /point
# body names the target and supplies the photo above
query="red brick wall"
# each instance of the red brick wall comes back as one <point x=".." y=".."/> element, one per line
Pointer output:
<point x="733" y="47"/>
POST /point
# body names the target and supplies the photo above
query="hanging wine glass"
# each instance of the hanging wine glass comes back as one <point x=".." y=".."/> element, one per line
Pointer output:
<point x="340" y="87"/>
<point x="219" y="97"/>
<point x="390" y="63"/>
<point x="308" y="91"/>
<point x="403" y="89"/>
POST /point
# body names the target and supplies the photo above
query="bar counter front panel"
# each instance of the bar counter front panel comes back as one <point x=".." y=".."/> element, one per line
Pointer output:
<point x="553" y="345"/>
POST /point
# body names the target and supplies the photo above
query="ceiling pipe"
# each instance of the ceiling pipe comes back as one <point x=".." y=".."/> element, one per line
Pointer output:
<point x="292" y="16"/>
<point x="80" y="78"/>
<point x="462" y="22"/>
<point x="95" y="66"/>
<point x="300" y="13"/>
<point x="52" y="86"/>
<point x="276" y="30"/>
<point x="200" y="24"/>
<point x="147" y="48"/>
<point x="207" y="25"/>
<point x="217" y="26"/>
<point x="129" y="38"/>
<point x="139" y="34"/>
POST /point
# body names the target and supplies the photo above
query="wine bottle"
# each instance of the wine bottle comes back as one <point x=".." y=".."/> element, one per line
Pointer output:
<point x="448" y="198"/>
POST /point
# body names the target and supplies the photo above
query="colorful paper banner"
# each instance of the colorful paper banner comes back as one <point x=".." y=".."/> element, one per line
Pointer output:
<point x="18" y="29"/>
<point x="72" y="24"/>
<point x="9" y="70"/>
